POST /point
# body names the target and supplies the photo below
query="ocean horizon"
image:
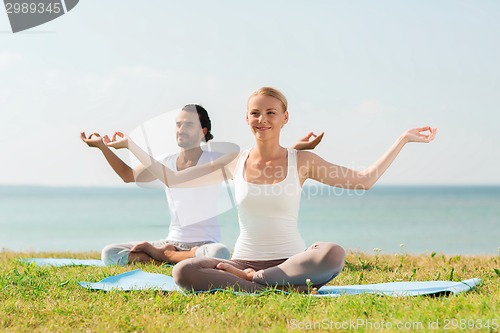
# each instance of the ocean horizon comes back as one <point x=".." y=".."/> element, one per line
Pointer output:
<point x="448" y="219"/>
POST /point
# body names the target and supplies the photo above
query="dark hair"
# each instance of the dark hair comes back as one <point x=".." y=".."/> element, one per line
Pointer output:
<point x="204" y="118"/>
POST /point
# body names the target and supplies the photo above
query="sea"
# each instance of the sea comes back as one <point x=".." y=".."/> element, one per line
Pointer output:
<point x="454" y="220"/>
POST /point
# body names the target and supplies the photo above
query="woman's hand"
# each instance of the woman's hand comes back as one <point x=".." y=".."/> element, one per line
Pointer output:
<point x="421" y="134"/>
<point x="118" y="141"/>
<point x="307" y="143"/>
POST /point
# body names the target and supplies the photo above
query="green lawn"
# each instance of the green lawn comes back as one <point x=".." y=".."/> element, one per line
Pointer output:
<point x="45" y="299"/>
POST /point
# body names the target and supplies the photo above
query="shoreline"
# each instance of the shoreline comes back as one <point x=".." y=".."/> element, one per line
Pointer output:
<point x="348" y="252"/>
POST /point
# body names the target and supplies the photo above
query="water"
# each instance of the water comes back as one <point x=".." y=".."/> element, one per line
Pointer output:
<point x="451" y="220"/>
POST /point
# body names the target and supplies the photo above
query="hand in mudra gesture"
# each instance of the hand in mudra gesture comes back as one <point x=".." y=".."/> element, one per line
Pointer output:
<point x="420" y="134"/>
<point x="118" y="141"/>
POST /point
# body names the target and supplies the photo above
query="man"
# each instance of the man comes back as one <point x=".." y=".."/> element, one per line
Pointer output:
<point x="186" y="239"/>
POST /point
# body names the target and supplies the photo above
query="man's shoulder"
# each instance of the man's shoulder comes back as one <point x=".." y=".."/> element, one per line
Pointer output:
<point x="212" y="154"/>
<point x="209" y="156"/>
<point x="169" y="159"/>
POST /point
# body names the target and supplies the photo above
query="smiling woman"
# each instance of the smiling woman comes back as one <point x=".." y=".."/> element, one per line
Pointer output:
<point x="266" y="114"/>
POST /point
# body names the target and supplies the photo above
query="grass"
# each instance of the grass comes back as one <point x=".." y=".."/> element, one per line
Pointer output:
<point x="44" y="299"/>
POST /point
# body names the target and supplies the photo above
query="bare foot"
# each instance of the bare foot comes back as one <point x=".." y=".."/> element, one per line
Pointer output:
<point x="173" y="255"/>
<point x="246" y="274"/>
<point x="141" y="247"/>
<point x="157" y="253"/>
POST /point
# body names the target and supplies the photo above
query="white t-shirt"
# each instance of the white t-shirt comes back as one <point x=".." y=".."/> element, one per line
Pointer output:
<point x="193" y="211"/>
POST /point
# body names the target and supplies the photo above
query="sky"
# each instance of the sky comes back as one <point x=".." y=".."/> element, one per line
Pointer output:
<point x="361" y="71"/>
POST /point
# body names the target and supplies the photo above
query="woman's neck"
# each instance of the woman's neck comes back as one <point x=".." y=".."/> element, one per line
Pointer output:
<point x="267" y="150"/>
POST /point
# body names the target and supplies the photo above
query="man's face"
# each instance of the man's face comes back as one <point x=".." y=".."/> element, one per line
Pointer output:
<point x="189" y="133"/>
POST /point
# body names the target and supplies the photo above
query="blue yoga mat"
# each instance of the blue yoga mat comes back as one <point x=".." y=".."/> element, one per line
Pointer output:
<point x="139" y="280"/>
<point x="59" y="262"/>
<point x="413" y="288"/>
<point x="134" y="280"/>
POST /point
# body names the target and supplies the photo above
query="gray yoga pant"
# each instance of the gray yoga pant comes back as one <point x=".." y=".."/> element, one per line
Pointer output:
<point x="117" y="254"/>
<point x="320" y="263"/>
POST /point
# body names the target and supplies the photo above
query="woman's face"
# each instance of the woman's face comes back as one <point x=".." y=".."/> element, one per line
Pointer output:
<point x="265" y="116"/>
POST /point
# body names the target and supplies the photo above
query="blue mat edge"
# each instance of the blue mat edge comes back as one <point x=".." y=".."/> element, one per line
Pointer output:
<point x="452" y="287"/>
<point x="165" y="283"/>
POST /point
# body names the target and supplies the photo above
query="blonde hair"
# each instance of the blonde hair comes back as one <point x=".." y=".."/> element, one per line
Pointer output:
<point x="272" y="92"/>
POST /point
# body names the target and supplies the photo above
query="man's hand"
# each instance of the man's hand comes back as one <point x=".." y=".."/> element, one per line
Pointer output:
<point x="94" y="140"/>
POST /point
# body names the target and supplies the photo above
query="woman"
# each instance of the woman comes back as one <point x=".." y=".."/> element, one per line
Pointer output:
<point x="268" y="179"/>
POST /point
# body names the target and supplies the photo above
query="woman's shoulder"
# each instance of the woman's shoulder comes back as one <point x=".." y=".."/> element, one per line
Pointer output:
<point x="305" y="159"/>
<point x="306" y="155"/>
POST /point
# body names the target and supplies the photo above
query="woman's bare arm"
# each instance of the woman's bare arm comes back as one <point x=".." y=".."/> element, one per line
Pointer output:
<point x="314" y="167"/>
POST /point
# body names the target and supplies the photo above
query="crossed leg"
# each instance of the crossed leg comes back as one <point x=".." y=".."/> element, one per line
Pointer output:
<point x="320" y="263"/>
<point x="202" y="274"/>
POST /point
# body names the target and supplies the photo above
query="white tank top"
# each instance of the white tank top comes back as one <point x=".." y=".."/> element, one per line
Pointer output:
<point x="268" y="214"/>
